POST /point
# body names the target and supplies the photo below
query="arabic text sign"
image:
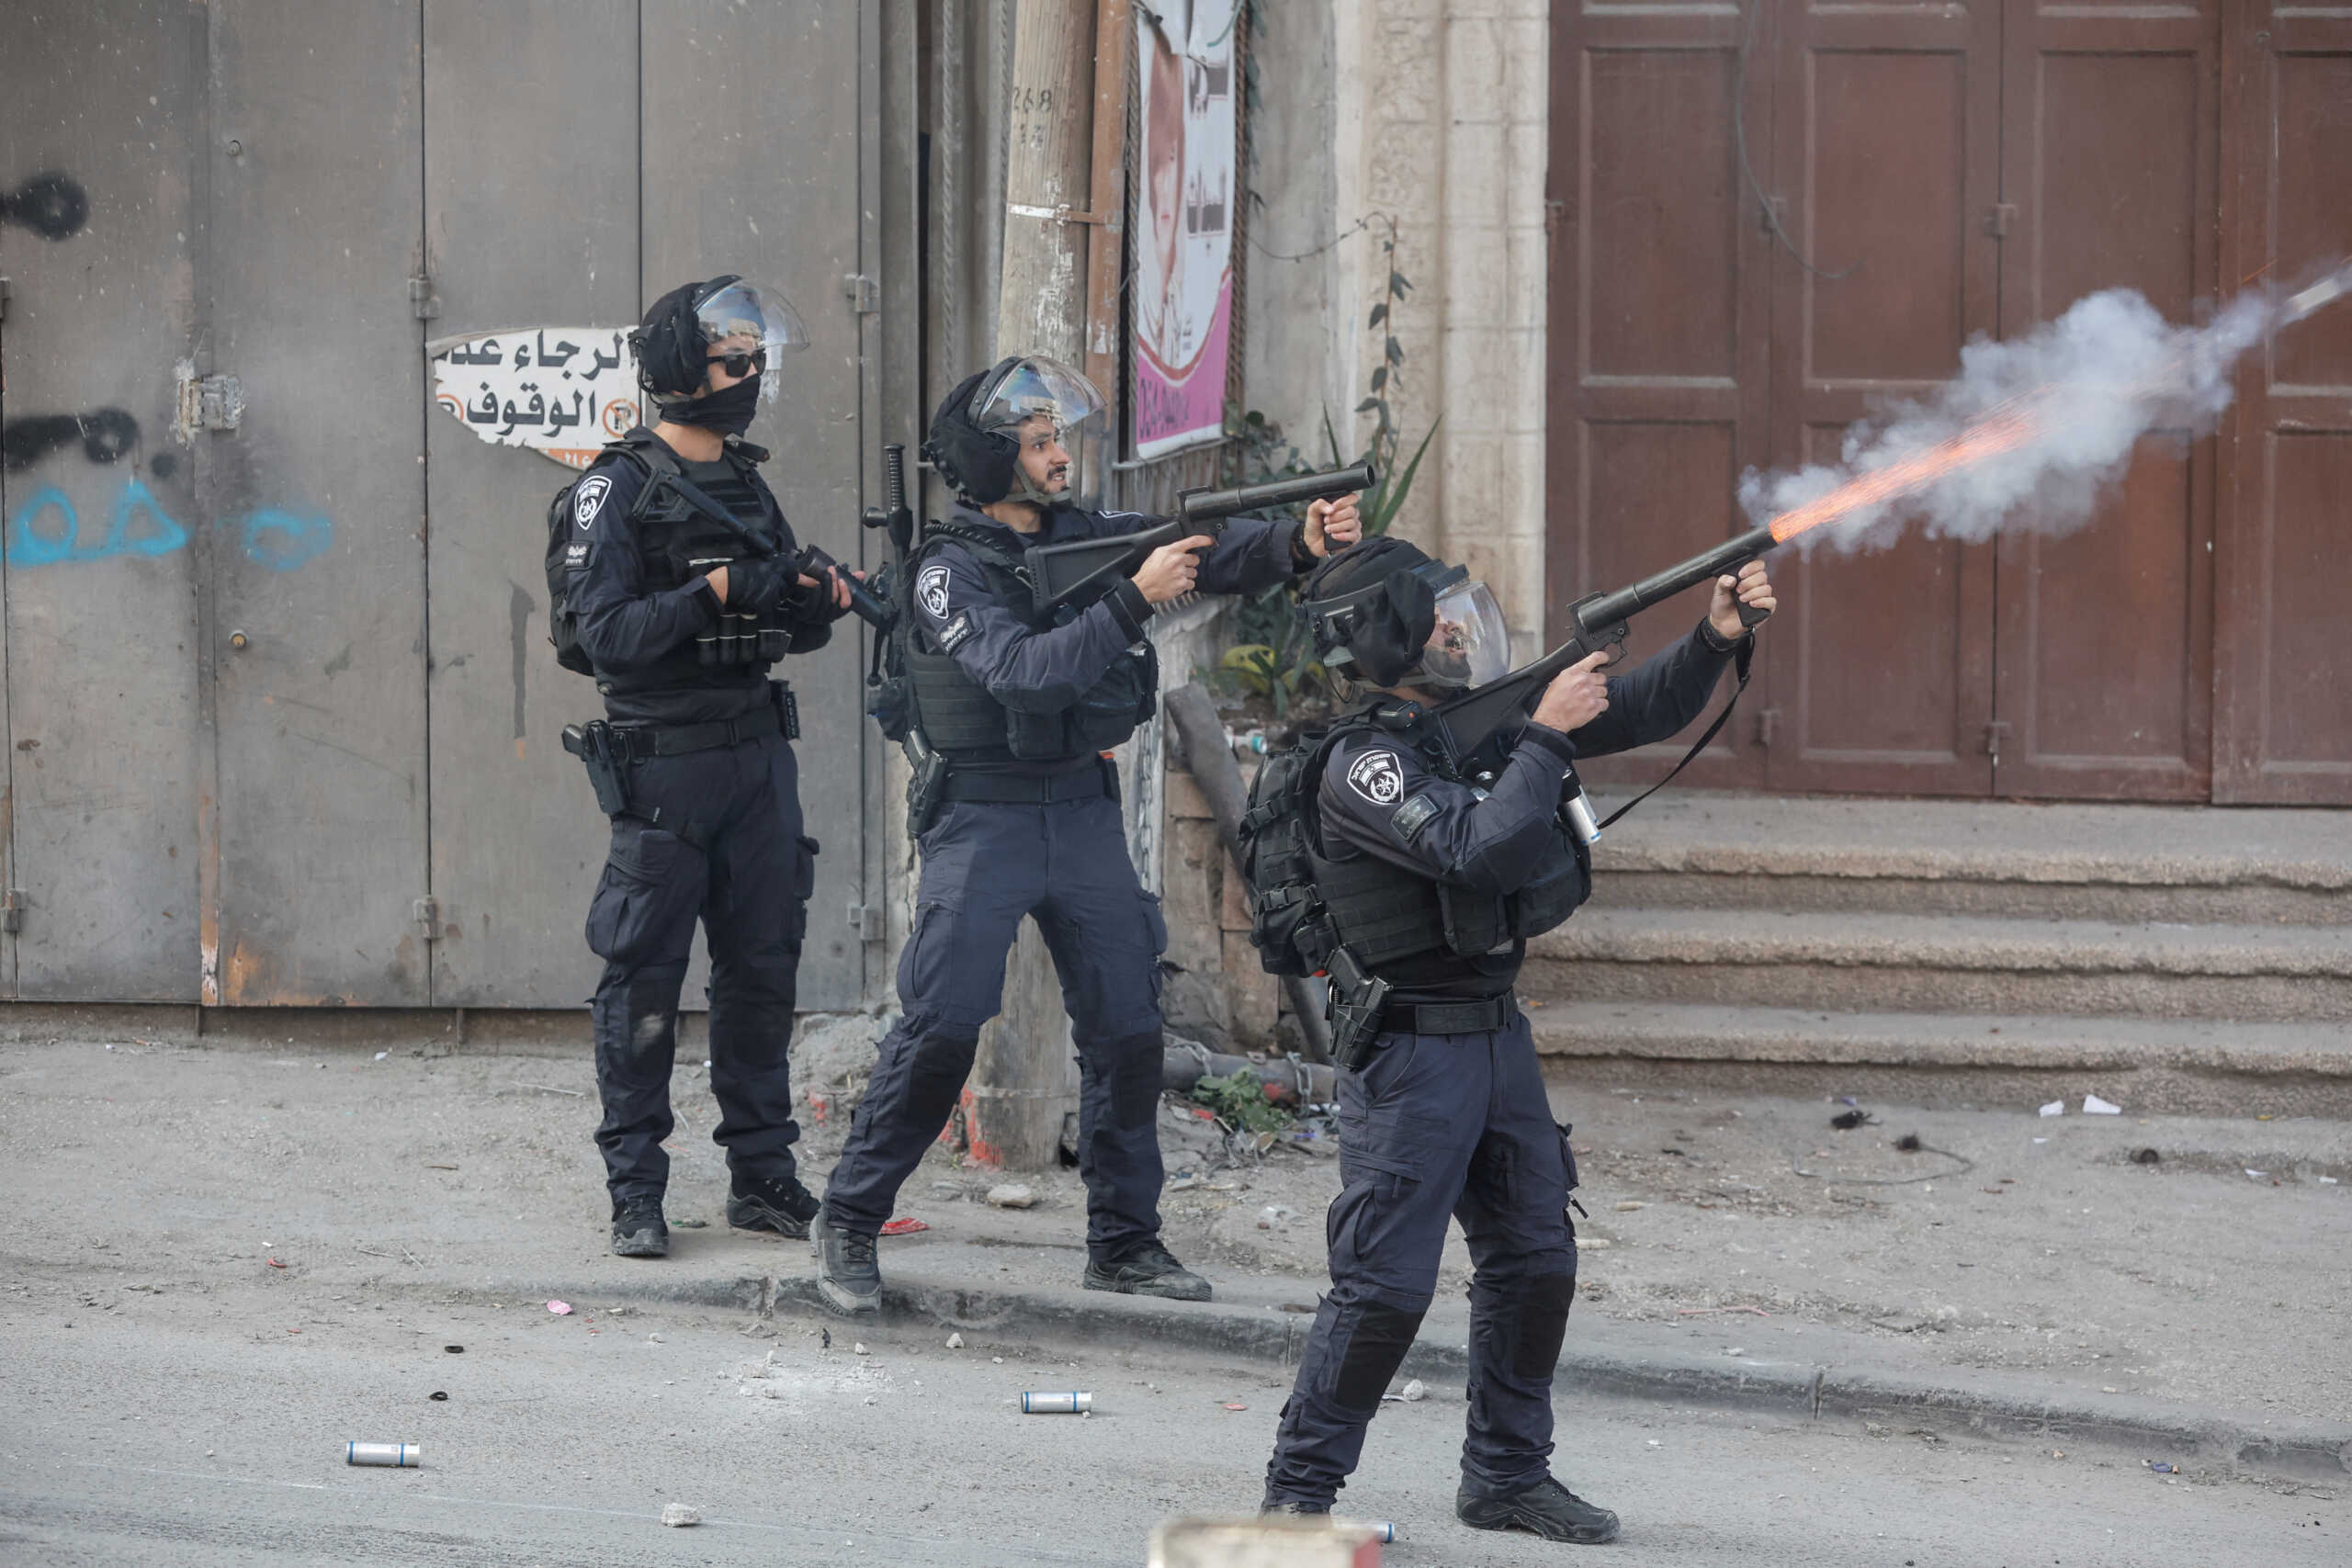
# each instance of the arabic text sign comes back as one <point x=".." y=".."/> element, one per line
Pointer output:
<point x="562" y="391"/>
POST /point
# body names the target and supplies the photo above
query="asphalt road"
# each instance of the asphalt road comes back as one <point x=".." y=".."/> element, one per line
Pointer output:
<point x="206" y="1427"/>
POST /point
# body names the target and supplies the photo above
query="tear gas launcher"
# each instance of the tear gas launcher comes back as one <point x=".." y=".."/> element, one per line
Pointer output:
<point x="1478" y="725"/>
<point x="1085" y="569"/>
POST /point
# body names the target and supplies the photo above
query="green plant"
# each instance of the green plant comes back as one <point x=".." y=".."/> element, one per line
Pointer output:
<point x="1241" y="1102"/>
<point x="1273" y="656"/>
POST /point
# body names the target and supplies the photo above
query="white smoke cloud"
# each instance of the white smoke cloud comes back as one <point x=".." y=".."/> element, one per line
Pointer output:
<point x="2085" y="389"/>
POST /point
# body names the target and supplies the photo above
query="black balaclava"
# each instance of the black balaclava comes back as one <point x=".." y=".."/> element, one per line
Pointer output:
<point x="1382" y="632"/>
<point x="670" y="362"/>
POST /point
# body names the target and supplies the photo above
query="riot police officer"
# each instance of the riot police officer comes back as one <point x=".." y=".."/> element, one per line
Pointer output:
<point x="1423" y="888"/>
<point x="679" y="592"/>
<point x="1018" y="815"/>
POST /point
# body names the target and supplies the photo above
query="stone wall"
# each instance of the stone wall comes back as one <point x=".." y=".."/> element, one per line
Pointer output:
<point x="1217" y="993"/>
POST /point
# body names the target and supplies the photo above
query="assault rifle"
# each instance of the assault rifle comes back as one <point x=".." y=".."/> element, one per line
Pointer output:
<point x="1478" y="725"/>
<point x="1085" y="569"/>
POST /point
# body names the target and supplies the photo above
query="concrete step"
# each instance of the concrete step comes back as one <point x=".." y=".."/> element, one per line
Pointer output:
<point x="2149" y="1065"/>
<point x="1880" y="963"/>
<point x="1986" y="859"/>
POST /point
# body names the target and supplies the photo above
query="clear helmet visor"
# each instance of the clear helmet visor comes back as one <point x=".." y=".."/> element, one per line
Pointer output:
<point x="1051" y="411"/>
<point x="743" y="317"/>
<point x="1470" y="644"/>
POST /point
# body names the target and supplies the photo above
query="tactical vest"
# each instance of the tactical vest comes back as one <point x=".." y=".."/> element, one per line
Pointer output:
<point x="965" y="723"/>
<point x="1303" y="904"/>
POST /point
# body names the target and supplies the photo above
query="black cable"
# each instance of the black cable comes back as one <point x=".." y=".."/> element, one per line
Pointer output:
<point x="1739" y="140"/>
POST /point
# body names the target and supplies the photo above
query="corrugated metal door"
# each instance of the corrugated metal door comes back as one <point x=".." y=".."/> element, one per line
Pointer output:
<point x="1885" y="142"/>
<point x="530" y="202"/>
<point x="1657" y="318"/>
<point x="103" y="549"/>
<point x="751" y="173"/>
<point x="2283" y="718"/>
<point x="317" y="175"/>
<point x="2105" y="670"/>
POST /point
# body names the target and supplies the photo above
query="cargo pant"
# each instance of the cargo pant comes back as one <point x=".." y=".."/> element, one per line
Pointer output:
<point x="1439" y="1126"/>
<point x="730" y="853"/>
<point x="985" y="866"/>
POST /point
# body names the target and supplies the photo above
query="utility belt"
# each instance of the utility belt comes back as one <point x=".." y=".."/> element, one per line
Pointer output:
<point x="606" y="749"/>
<point x="1360" y="1012"/>
<point x="936" y="780"/>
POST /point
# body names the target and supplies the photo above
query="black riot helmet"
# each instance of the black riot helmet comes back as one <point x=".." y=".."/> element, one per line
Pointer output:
<point x="678" y="332"/>
<point x="977" y="432"/>
<point x="1383" y="613"/>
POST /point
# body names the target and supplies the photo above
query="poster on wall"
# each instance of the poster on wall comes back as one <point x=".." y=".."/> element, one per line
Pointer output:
<point x="562" y="391"/>
<point x="1183" y="235"/>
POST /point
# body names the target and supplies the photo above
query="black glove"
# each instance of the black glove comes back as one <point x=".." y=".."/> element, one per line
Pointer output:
<point x="815" y="602"/>
<point x="758" y="583"/>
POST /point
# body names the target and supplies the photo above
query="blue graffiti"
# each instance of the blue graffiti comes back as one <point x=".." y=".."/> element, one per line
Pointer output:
<point x="281" y="541"/>
<point x="46" y="530"/>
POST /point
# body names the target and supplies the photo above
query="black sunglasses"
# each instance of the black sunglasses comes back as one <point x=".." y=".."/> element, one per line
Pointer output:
<point x="741" y="364"/>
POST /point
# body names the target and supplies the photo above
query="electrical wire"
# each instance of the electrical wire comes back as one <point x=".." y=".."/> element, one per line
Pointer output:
<point x="1739" y="140"/>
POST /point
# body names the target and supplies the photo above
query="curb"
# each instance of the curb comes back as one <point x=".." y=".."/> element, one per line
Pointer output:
<point x="1994" y="1405"/>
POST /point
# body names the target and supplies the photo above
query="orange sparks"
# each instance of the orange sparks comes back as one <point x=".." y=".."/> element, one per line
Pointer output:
<point x="1988" y="437"/>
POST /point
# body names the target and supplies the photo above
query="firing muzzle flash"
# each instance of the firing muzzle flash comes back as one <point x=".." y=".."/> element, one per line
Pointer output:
<point x="2320" y="295"/>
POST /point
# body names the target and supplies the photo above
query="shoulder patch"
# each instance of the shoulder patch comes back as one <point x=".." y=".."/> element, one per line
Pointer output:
<point x="931" y="590"/>
<point x="955" y="633"/>
<point x="1377" y="776"/>
<point x="589" y="497"/>
<point x="1412" y="817"/>
<point x="575" y="555"/>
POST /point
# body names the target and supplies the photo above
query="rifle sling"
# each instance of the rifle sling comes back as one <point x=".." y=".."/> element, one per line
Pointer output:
<point x="1741" y="659"/>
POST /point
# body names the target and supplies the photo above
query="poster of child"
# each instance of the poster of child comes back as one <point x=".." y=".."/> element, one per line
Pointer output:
<point x="1183" y="261"/>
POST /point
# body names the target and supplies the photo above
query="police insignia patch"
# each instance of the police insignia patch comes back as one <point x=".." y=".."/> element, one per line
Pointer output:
<point x="1377" y="778"/>
<point x="954" y="634"/>
<point x="931" y="591"/>
<point x="1412" y="817"/>
<point x="589" y="497"/>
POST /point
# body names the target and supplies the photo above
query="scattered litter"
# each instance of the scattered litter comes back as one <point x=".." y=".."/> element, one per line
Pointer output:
<point x="1235" y="1405"/>
<point x="2259" y="1175"/>
<point x="821" y="1106"/>
<point x="274" y="1263"/>
<point x="1274" y="1214"/>
<point x="1414" y="1391"/>
<point x="824" y="1339"/>
<point x="678" y="1515"/>
<point x="2041" y="1140"/>
<point x="1185" y="1183"/>
<point x="2094" y="1106"/>
<point x="955" y="1342"/>
<point x="440" y="1167"/>
<point x="2163" y="1469"/>
<point x="2327" y="1181"/>
<point x="1909" y="1144"/>
<point x="2145" y="1156"/>
<point x="1057" y="1404"/>
<point x="1736" y="1350"/>
<point x="903" y="1227"/>
<point x="690" y="1224"/>
<point x="995" y="1360"/>
<point x="2055" y="1108"/>
<point x="858" y="1347"/>
<point x="442" y="1394"/>
<point x="1011" y="1195"/>
<point x="653" y="1340"/>
<point x="1630" y="1204"/>
<point x="2106" y="1389"/>
<point x="562" y="1309"/>
<point x="379" y="1055"/>
<point x="1594" y="1244"/>
<point x="399" y="1456"/>
<point x="1656" y="1444"/>
<point x="1847" y="1121"/>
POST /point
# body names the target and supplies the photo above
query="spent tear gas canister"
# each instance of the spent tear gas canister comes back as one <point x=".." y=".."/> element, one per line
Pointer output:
<point x="1581" y="819"/>
<point x="1056" y="1404"/>
<point x="1382" y="1530"/>
<point x="404" y="1456"/>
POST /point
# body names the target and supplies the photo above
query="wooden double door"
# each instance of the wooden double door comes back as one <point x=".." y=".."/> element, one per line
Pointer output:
<point x="1768" y="222"/>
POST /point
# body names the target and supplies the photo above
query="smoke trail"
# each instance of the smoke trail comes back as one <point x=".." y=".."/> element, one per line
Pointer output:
<point x="2065" y="404"/>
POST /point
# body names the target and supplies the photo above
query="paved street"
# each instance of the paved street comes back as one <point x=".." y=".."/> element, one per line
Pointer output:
<point x="208" y="1428"/>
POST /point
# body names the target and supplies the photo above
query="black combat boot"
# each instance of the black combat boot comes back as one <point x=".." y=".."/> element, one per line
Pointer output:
<point x="1292" y="1505"/>
<point x="639" y="1230"/>
<point x="846" y="1276"/>
<point x="777" y="1203"/>
<point x="1546" y="1508"/>
<point x="1146" y="1269"/>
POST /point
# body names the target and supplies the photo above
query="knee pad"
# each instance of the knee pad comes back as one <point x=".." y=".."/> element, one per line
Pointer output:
<point x="1374" y="1351"/>
<point x="1543" y="1324"/>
